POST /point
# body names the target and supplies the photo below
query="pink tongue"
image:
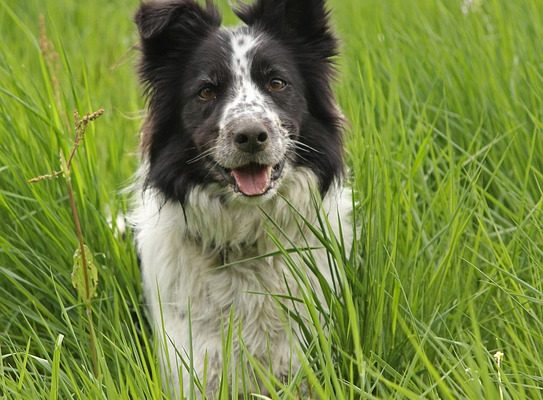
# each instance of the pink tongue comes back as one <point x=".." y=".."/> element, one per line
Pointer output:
<point x="252" y="180"/>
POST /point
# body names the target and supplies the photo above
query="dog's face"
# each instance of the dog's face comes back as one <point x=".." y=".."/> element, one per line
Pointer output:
<point x="243" y="105"/>
<point x="238" y="107"/>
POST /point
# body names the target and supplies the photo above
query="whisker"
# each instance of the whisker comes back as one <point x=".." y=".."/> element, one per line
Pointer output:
<point x="209" y="171"/>
<point x="201" y="156"/>
<point x="292" y="155"/>
<point x="304" y="147"/>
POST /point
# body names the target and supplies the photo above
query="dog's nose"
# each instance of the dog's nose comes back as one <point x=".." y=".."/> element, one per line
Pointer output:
<point x="251" y="138"/>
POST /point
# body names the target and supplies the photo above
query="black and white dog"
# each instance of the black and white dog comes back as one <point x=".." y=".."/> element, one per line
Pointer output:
<point x="242" y="127"/>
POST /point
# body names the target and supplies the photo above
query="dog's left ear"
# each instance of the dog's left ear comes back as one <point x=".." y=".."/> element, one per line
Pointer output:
<point x="306" y="20"/>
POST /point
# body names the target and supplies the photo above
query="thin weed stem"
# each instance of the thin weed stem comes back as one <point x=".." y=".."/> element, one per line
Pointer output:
<point x="80" y="125"/>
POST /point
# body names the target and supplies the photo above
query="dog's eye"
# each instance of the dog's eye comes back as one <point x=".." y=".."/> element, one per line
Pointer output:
<point x="208" y="93"/>
<point x="276" y="85"/>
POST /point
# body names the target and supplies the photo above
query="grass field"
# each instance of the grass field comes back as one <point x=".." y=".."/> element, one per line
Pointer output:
<point x="444" y="295"/>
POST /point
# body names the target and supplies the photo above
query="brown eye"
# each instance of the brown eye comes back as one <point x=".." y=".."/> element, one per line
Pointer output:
<point x="207" y="93"/>
<point x="276" y="85"/>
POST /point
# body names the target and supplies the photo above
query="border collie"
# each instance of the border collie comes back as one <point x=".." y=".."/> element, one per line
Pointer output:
<point x="242" y="135"/>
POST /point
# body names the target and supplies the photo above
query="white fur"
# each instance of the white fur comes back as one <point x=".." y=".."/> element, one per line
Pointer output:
<point x="181" y="253"/>
<point x="247" y="99"/>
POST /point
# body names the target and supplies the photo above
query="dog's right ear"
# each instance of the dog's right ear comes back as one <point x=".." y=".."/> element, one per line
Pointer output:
<point x="185" y="18"/>
<point x="169" y="31"/>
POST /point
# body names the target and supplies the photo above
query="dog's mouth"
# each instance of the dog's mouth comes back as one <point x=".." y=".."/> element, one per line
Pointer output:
<point x="253" y="179"/>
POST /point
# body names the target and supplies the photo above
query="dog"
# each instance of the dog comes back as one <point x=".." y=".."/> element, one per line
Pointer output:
<point x="241" y="148"/>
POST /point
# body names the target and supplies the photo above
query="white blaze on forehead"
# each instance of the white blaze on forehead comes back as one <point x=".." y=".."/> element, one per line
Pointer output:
<point x="242" y="43"/>
<point x="247" y="98"/>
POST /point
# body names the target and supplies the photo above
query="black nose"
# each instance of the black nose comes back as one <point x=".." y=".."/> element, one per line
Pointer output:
<point x="252" y="138"/>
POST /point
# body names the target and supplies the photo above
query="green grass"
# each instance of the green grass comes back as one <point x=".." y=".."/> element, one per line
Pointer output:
<point x="445" y="147"/>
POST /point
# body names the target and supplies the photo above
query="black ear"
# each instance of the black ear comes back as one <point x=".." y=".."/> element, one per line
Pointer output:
<point x="156" y="18"/>
<point x="305" y="20"/>
<point x="169" y="32"/>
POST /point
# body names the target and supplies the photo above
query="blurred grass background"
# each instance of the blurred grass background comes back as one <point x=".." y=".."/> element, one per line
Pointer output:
<point x="445" y="147"/>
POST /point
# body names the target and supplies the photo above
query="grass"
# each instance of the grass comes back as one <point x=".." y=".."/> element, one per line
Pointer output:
<point x="444" y="295"/>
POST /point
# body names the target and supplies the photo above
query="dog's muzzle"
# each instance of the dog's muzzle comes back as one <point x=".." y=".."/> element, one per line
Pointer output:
<point x="255" y="160"/>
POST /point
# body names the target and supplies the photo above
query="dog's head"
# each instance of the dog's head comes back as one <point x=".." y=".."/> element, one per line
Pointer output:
<point x="238" y="107"/>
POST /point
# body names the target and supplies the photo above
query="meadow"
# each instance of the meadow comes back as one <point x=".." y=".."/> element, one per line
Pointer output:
<point x="443" y="294"/>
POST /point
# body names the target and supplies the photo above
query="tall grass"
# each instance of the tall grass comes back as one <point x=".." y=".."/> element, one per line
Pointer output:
<point x="443" y="294"/>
